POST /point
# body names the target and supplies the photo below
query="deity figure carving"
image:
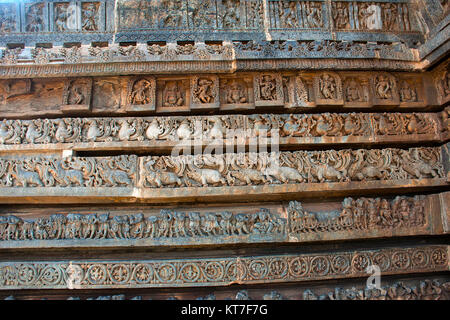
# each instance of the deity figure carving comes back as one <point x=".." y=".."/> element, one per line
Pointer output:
<point x="142" y="92"/>
<point x="443" y="85"/>
<point x="172" y="95"/>
<point x="7" y="18"/>
<point x="314" y="14"/>
<point x="353" y="91"/>
<point x="34" y="17"/>
<point x="384" y="87"/>
<point x="340" y="15"/>
<point x="389" y="16"/>
<point x="267" y="88"/>
<point x="231" y="15"/>
<point x="77" y="92"/>
<point x="171" y="17"/>
<point x="255" y="13"/>
<point x="288" y="14"/>
<point x="327" y="86"/>
<point x="202" y="13"/>
<point x="406" y="93"/>
<point x="90" y="14"/>
<point x="369" y="16"/>
<point x="203" y="92"/>
<point x="65" y="16"/>
<point x="235" y="92"/>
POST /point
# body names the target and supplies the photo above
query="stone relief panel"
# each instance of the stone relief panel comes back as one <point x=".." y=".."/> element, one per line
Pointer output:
<point x="173" y="94"/>
<point x="268" y="89"/>
<point x="68" y="172"/>
<point x="77" y="95"/>
<point x="287" y="222"/>
<point x="218" y="271"/>
<point x="296" y="14"/>
<point x="360" y="214"/>
<point x="384" y="86"/>
<point x="442" y="81"/>
<point x="205" y="92"/>
<point x="436" y="289"/>
<point x="328" y="89"/>
<point x="8" y="17"/>
<point x="217" y="15"/>
<point x="167" y="225"/>
<point x="238" y="92"/>
<point x="356" y="91"/>
<point x="293" y="167"/>
<point x="292" y="128"/>
<point x="35" y="17"/>
<point x="141" y="93"/>
<point x="207" y="52"/>
<point x="425" y="290"/>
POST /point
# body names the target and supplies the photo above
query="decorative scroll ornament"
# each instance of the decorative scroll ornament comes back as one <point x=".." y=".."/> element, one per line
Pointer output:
<point x="216" y="271"/>
<point x="78" y="130"/>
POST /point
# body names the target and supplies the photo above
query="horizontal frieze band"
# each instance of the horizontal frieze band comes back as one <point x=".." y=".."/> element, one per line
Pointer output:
<point x="358" y="218"/>
<point x="95" y="274"/>
<point x="167" y="133"/>
<point x="288" y="91"/>
<point x="425" y="289"/>
<point x="190" y="176"/>
<point x="200" y="51"/>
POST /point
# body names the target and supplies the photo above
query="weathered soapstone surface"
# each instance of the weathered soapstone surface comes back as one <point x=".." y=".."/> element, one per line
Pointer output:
<point x="221" y="271"/>
<point x="353" y="218"/>
<point x="95" y="95"/>
<point x="405" y="289"/>
<point x="169" y="133"/>
<point x="241" y="92"/>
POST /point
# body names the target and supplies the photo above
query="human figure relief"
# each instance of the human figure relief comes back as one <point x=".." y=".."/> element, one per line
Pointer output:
<point x="235" y="93"/>
<point x="352" y="92"/>
<point x="383" y="87"/>
<point x="90" y="15"/>
<point x="203" y="92"/>
<point x="407" y="93"/>
<point x="267" y="88"/>
<point x="314" y="14"/>
<point x="141" y="93"/>
<point x="172" y="95"/>
<point x="327" y="86"/>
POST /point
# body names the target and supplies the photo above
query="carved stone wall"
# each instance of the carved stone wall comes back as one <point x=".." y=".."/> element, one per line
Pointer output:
<point x="219" y="149"/>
